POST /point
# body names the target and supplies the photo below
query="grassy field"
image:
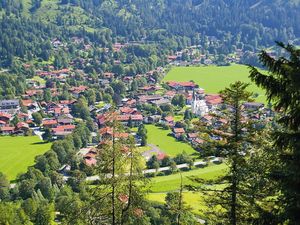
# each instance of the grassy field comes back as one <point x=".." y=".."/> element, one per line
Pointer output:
<point x="159" y="137"/>
<point x="193" y="200"/>
<point x="172" y="182"/>
<point x="17" y="153"/>
<point x="162" y="185"/>
<point x="214" y="78"/>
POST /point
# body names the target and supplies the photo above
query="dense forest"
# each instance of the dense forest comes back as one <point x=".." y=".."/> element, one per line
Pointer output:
<point x="247" y="25"/>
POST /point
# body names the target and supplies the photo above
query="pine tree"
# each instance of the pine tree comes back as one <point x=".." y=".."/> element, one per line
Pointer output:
<point x="282" y="88"/>
<point x="120" y="195"/>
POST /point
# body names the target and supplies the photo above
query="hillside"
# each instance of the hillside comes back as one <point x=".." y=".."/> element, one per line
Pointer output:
<point x="175" y="24"/>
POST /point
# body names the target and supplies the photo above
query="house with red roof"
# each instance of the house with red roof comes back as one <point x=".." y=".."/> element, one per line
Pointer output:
<point x="213" y="101"/>
<point x="136" y="120"/>
<point x="168" y="120"/>
<point x="177" y="132"/>
<point x="62" y="130"/>
<point x="5" y="117"/>
<point x="184" y="85"/>
<point x="7" y="130"/>
<point x="49" y="123"/>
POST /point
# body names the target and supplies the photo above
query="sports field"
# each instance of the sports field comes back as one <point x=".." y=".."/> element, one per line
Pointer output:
<point x="159" y="137"/>
<point x="17" y="153"/>
<point x="215" y="78"/>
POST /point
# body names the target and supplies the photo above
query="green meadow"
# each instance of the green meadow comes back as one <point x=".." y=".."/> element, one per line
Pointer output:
<point x="172" y="182"/>
<point x="215" y="78"/>
<point x="163" y="184"/>
<point x="17" y="153"/>
<point x="168" y="144"/>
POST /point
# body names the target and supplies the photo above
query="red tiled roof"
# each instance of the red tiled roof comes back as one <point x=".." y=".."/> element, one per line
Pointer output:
<point x="213" y="99"/>
<point x="7" y="128"/>
<point x="127" y="117"/>
<point x="178" y="130"/>
<point x="22" y="125"/>
<point x="169" y="119"/>
<point x="127" y="110"/>
<point x="183" y="84"/>
<point x="192" y="135"/>
<point x="121" y="135"/>
<point x="106" y="130"/>
<point x="49" y="122"/>
<point x="27" y="103"/>
<point x="5" y="115"/>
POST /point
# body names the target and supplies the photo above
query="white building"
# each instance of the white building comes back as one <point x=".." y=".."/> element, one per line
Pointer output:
<point x="199" y="106"/>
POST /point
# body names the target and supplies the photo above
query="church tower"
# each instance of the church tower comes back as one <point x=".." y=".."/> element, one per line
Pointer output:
<point x="199" y="106"/>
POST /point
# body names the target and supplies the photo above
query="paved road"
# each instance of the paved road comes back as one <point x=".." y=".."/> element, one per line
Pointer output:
<point x="161" y="169"/>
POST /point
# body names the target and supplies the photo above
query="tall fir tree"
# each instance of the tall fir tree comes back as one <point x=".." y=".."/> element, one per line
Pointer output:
<point x="282" y="88"/>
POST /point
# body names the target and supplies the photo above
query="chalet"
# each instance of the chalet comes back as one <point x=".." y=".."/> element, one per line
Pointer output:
<point x="64" y="121"/>
<point x="63" y="130"/>
<point x="67" y="102"/>
<point x="149" y="98"/>
<point x="7" y="130"/>
<point x="160" y="102"/>
<point x="197" y="141"/>
<point x="22" y="126"/>
<point x="23" y="116"/>
<point x="9" y="106"/>
<point x="213" y="101"/>
<point x="170" y="94"/>
<point x="129" y="102"/>
<point x="168" y="120"/>
<point x="207" y="119"/>
<point x="192" y="136"/>
<point x="121" y="135"/>
<point x="76" y="91"/>
<point x="136" y="120"/>
<point x="181" y="85"/>
<point x="90" y="158"/>
<point x="5" y="117"/>
<point x="49" y="123"/>
<point x="177" y="132"/>
<point x="106" y="132"/>
<point x="33" y="93"/>
<point x="29" y="104"/>
<point x="127" y="110"/>
<point x="58" y="111"/>
<point x="148" y="89"/>
<point x="2" y="123"/>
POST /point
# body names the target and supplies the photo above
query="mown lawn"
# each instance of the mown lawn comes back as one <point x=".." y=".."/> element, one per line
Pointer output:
<point x="172" y="182"/>
<point x="168" y="144"/>
<point x="17" y="153"/>
<point x="215" y="78"/>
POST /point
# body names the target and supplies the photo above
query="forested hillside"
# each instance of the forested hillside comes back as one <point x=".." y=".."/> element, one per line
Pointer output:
<point x="175" y="24"/>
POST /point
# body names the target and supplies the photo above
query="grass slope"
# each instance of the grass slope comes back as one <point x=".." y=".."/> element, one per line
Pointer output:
<point x="215" y="78"/>
<point x="194" y="200"/>
<point x="159" y="137"/>
<point x="17" y="153"/>
<point x="172" y="182"/>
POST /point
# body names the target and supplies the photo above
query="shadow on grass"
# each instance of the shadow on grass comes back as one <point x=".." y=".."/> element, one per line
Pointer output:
<point x="40" y="143"/>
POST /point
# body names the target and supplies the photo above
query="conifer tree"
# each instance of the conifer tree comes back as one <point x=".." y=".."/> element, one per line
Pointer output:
<point x="282" y="88"/>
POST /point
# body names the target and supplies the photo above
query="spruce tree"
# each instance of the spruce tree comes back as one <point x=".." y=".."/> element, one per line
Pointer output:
<point x="282" y="84"/>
